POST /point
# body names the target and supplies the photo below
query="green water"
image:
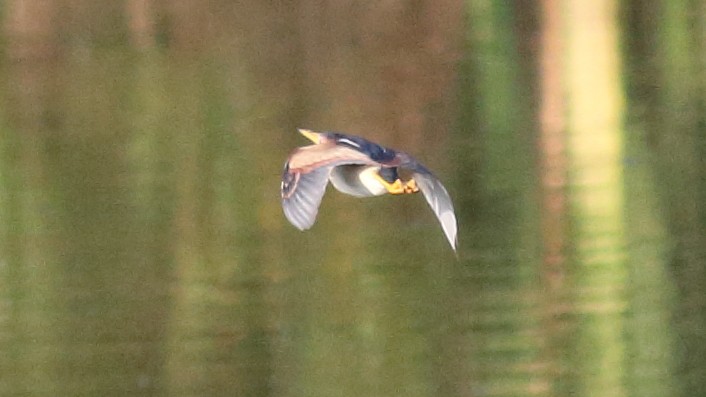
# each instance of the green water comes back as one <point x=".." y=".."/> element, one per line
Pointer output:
<point x="143" y="250"/>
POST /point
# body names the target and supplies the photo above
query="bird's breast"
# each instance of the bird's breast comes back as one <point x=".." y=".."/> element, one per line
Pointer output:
<point x="357" y="180"/>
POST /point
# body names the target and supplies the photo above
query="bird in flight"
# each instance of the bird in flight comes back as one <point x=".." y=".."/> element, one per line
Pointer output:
<point x="361" y="168"/>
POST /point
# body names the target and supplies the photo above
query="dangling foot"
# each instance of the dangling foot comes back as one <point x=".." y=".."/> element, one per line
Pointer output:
<point x="411" y="187"/>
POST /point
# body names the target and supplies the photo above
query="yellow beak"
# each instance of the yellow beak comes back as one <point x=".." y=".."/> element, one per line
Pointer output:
<point x="311" y="135"/>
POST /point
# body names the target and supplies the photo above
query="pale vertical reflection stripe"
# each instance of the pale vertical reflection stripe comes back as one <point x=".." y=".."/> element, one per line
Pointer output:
<point x="595" y="139"/>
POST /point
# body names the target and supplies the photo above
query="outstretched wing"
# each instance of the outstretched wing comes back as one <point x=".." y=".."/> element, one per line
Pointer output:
<point x="305" y="177"/>
<point x="302" y="194"/>
<point x="436" y="196"/>
<point x="440" y="202"/>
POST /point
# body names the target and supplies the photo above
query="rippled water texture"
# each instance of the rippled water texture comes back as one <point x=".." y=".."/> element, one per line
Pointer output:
<point x="143" y="249"/>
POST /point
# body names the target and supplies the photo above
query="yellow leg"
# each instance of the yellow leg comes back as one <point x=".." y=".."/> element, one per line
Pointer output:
<point x="397" y="187"/>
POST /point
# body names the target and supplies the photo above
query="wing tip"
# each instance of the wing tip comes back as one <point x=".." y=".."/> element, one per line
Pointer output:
<point x="439" y="200"/>
<point x="450" y="228"/>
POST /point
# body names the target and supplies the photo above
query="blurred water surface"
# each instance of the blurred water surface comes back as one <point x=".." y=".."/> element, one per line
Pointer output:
<point x="143" y="250"/>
